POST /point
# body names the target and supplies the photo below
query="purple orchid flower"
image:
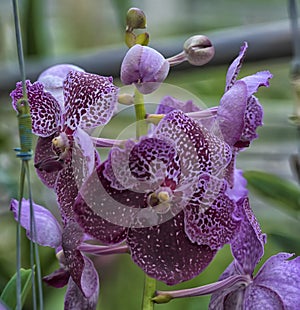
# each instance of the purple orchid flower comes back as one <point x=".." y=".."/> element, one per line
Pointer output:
<point x="275" y="286"/>
<point x="64" y="103"/>
<point x="144" y="67"/>
<point x="166" y="196"/>
<point x="77" y="270"/>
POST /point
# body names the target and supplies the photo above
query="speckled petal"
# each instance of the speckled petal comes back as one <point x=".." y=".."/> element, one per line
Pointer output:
<point x="212" y="221"/>
<point x="230" y="115"/>
<point x="66" y="188"/>
<point x="144" y="166"/>
<point x="239" y="188"/>
<point x="83" y="156"/>
<point x="53" y="78"/>
<point x="75" y="300"/>
<point x="44" y="109"/>
<point x="103" y="211"/>
<point x="81" y="268"/>
<point x="198" y="150"/>
<point x="248" y="245"/>
<point x="165" y="253"/>
<point x="281" y="275"/>
<point x="43" y="151"/>
<point x="235" y="67"/>
<point x="260" y="298"/>
<point x="90" y="100"/>
<point x="168" y="104"/>
<point x="48" y="230"/>
<point x="253" y="119"/>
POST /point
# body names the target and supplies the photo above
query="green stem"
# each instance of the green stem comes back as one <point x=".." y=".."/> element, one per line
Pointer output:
<point x="18" y="237"/>
<point x="141" y="130"/>
<point x="149" y="293"/>
<point x="140" y="114"/>
<point x="34" y="253"/>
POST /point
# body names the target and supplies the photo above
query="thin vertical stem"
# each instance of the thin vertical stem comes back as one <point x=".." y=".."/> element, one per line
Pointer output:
<point x="140" y="114"/>
<point x="149" y="292"/>
<point x="33" y="245"/>
<point x="18" y="237"/>
<point x="19" y="44"/>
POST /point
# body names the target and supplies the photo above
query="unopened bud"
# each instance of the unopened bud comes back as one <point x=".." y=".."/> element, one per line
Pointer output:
<point x="126" y="99"/>
<point x="144" y="67"/>
<point x="198" y="50"/>
<point x="135" y="19"/>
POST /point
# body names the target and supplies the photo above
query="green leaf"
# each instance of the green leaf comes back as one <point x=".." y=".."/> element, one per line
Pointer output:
<point x="276" y="190"/>
<point x="8" y="295"/>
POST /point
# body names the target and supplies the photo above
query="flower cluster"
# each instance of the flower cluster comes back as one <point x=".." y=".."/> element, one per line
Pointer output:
<point x="171" y="198"/>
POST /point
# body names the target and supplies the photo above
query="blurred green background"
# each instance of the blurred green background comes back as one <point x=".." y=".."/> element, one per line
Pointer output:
<point x="65" y="27"/>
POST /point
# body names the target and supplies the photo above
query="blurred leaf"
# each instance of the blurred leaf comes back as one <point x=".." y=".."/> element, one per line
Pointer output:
<point x="8" y="295"/>
<point x="289" y="244"/>
<point x="277" y="190"/>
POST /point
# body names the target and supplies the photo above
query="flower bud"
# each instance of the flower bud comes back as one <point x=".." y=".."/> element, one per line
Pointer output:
<point x="144" y="67"/>
<point x="198" y="50"/>
<point x="135" y="19"/>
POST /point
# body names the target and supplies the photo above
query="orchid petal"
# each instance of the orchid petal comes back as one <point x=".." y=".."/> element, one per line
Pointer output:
<point x="253" y="119"/>
<point x="235" y="67"/>
<point x="281" y="275"/>
<point x="168" y="104"/>
<point x="248" y="245"/>
<point x="260" y="297"/>
<point x="211" y="221"/>
<point x="165" y="253"/>
<point x="86" y="158"/>
<point x="256" y="80"/>
<point x="59" y="278"/>
<point x="53" y="78"/>
<point x="66" y="188"/>
<point x="43" y="152"/>
<point x="90" y="100"/>
<point x="80" y="267"/>
<point x="48" y="231"/>
<point x="45" y="111"/>
<point x="75" y="300"/>
<point x="198" y="150"/>
<point x="231" y="112"/>
<point x="145" y="67"/>
<point x="103" y="211"/>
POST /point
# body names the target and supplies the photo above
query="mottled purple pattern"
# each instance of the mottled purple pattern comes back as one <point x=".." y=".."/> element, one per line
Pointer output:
<point x="53" y="77"/>
<point x="144" y="166"/>
<point x="75" y="300"/>
<point x="281" y="275"/>
<point x="48" y="231"/>
<point x="248" y="245"/>
<point x="90" y="100"/>
<point x="81" y="268"/>
<point x="145" y="67"/>
<point x="213" y="224"/>
<point x="66" y="189"/>
<point x="253" y="119"/>
<point x="198" y="150"/>
<point x="44" y="109"/>
<point x="235" y="67"/>
<point x="276" y="286"/>
<point x="44" y="151"/>
<point x="165" y="253"/>
<point x="99" y="206"/>
<point x="168" y="104"/>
